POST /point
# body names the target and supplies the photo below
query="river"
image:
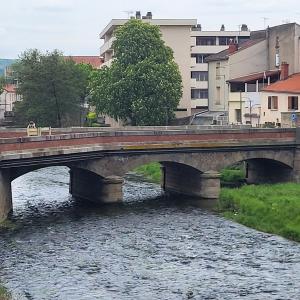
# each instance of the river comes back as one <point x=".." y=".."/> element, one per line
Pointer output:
<point x="149" y="247"/>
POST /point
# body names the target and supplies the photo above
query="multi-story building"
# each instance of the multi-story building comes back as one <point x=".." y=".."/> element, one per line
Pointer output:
<point x="191" y="46"/>
<point x="204" y="44"/>
<point x="238" y="74"/>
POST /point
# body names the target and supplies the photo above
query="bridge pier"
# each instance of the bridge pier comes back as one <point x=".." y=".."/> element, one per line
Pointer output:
<point x="296" y="171"/>
<point x="5" y="195"/>
<point x="189" y="181"/>
<point x="92" y="187"/>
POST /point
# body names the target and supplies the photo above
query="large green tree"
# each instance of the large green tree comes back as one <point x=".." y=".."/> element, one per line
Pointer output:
<point x="52" y="89"/>
<point x="143" y="84"/>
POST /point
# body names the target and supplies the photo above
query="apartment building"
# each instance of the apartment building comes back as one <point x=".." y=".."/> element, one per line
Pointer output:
<point x="204" y="44"/>
<point x="191" y="46"/>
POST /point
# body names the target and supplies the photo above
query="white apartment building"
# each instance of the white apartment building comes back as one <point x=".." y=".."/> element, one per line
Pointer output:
<point x="191" y="46"/>
<point x="204" y="44"/>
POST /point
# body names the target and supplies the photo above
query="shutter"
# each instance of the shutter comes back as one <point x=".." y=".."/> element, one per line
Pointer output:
<point x="289" y="102"/>
<point x="296" y="103"/>
<point x="275" y="102"/>
<point x="269" y="102"/>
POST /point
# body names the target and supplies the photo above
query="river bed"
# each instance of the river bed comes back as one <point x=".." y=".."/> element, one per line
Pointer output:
<point x="148" y="247"/>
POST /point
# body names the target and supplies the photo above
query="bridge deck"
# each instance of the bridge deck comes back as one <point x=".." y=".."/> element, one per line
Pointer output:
<point x="130" y="140"/>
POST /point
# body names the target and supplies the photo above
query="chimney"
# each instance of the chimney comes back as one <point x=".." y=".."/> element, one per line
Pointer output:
<point x="149" y="15"/>
<point x="232" y="46"/>
<point x="138" y="15"/>
<point x="222" y="27"/>
<point x="284" y="72"/>
<point x="244" y="27"/>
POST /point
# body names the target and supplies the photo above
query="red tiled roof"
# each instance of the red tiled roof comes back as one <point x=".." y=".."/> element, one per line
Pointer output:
<point x="290" y="85"/>
<point x="94" y="61"/>
<point x="254" y="76"/>
<point x="10" y="88"/>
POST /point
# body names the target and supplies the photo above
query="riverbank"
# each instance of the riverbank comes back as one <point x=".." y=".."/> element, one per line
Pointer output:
<point x="4" y="293"/>
<point x="269" y="208"/>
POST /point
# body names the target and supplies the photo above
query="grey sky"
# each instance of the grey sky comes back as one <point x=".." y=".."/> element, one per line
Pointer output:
<point x="73" y="26"/>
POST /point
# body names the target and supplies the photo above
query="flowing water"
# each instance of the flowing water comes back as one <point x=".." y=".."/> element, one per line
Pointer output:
<point x="149" y="247"/>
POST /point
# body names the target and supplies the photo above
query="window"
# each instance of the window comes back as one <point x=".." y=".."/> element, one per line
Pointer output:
<point x="205" y="40"/>
<point x="238" y="116"/>
<point x="218" y="96"/>
<point x="273" y="102"/>
<point x="225" y="40"/>
<point x="293" y="103"/>
<point x="199" y="93"/>
<point x="200" y="75"/>
<point x="200" y="57"/>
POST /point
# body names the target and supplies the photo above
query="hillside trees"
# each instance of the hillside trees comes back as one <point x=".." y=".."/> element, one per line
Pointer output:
<point x="143" y="84"/>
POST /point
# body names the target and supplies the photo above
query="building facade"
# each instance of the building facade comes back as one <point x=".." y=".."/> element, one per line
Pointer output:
<point x="191" y="46"/>
<point x="238" y="74"/>
<point x="280" y="102"/>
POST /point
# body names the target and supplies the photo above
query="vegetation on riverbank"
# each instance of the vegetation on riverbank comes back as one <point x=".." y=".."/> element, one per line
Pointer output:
<point x="269" y="208"/>
<point x="4" y="293"/>
<point x="151" y="171"/>
<point x="7" y="225"/>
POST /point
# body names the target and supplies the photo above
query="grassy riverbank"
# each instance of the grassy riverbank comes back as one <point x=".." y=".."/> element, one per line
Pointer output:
<point x="269" y="208"/>
<point x="4" y="293"/>
<point x="151" y="171"/>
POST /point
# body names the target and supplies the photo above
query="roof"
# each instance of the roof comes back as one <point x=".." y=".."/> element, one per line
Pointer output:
<point x="10" y="88"/>
<point x="160" y="22"/>
<point x="254" y="76"/>
<point x="291" y="85"/>
<point x="94" y="61"/>
<point x="224" y="55"/>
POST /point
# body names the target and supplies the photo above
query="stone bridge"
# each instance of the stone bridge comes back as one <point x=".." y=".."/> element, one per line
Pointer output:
<point x="191" y="158"/>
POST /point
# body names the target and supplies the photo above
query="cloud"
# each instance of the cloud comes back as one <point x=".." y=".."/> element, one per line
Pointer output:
<point x="52" y="6"/>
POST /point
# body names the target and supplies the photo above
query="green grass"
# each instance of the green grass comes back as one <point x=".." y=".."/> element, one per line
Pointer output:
<point x="4" y="293"/>
<point x="151" y="171"/>
<point x="7" y="225"/>
<point x="269" y="208"/>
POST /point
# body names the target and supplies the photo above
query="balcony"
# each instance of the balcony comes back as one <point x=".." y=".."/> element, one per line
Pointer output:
<point x="195" y="84"/>
<point x="106" y="46"/>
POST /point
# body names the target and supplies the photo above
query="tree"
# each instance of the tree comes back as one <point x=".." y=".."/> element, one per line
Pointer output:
<point x="51" y="87"/>
<point x="143" y="85"/>
<point x="2" y="84"/>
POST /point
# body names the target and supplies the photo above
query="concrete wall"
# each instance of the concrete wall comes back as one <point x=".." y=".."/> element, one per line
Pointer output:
<point x="289" y="46"/>
<point x="249" y="60"/>
<point x="178" y="39"/>
<point x="218" y="74"/>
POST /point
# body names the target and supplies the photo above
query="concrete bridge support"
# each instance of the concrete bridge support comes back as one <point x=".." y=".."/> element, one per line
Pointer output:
<point x="5" y="194"/>
<point x="296" y="172"/>
<point x="267" y="171"/>
<point x="186" y="180"/>
<point x="92" y="187"/>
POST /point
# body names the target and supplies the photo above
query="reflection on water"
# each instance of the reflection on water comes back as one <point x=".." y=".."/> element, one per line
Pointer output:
<point x="148" y="247"/>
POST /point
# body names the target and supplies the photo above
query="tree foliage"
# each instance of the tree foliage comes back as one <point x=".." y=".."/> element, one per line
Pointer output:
<point x="143" y="84"/>
<point x="52" y="89"/>
<point x="2" y="83"/>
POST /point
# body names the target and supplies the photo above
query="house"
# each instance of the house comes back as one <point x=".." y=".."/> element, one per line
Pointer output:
<point x="280" y="101"/>
<point x="7" y="100"/>
<point x="94" y="61"/>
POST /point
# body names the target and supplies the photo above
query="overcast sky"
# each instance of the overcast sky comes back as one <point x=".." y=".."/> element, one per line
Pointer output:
<point x="73" y="26"/>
